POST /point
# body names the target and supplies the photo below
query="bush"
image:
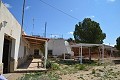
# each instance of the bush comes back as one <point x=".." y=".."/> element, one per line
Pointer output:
<point x="80" y="67"/>
<point x="51" y="65"/>
<point x="55" y="66"/>
<point x="48" y="64"/>
<point x="93" y="71"/>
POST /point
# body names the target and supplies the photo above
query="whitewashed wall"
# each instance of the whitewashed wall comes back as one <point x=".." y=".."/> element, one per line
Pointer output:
<point x="68" y="47"/>
<point x="12" y="29"/>
<point x="24" y="43"/>
<point x="58" y="46"/>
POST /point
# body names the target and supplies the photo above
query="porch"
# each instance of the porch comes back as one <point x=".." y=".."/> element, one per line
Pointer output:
<point x="34" y="54"/>
<point x="32" y="65"/>
<point x="101" y="50"/>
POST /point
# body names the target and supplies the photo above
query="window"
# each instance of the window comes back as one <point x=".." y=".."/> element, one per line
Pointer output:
<point x="49" y="52"/>
<point x="36" y="52"/>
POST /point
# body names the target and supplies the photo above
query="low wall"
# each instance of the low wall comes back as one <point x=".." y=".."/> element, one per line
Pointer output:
<point x="21" y="61"/>
<point x="1" y="68"/>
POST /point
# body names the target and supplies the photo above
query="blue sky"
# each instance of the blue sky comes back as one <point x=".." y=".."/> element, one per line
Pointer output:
<point x="105" y="12"/>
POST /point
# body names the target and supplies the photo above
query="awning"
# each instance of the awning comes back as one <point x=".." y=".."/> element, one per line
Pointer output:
<point x="86" y="45"/>
<point x="35" y="40"/>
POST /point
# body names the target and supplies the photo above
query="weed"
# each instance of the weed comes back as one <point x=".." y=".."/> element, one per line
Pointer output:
<point x="55" y="66"/>
<point x="93" y="71"/>
<point x="80" y="67"/>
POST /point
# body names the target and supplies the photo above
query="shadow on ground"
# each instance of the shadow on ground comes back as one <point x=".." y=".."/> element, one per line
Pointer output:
<point x="116" y="61"/>
<point x="73" y="62"/>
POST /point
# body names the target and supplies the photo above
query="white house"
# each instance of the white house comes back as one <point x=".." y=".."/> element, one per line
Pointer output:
<point x="10" y="31"/>
<point x="58" y="47"/>
<point x="14" y="47"/>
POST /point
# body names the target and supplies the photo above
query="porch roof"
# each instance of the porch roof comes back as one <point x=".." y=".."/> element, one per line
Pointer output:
<point x="86" y="45"/>
<point x="35" y="40"/>
<point x="92" y="45"/>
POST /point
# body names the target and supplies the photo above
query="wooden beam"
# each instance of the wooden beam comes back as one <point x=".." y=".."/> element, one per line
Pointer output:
<point x="28" y="38"/>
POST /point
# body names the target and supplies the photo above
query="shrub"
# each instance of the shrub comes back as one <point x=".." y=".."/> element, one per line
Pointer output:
<point x="51" y="65"/>
<point x="80" y="67"/>
<point x="93" y="71"/>
<point x="55" y="66"/>
<point x="48" y="64"/>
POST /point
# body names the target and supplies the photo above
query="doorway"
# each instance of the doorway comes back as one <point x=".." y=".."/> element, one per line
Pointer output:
<point x="36" y="52"/>
<point x="6" y="55"/>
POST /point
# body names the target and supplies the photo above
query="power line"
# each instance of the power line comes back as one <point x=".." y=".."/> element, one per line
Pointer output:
<point x="59" y="10"/>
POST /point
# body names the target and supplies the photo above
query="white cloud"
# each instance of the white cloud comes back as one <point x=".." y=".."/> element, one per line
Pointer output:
<point x="54" y="36"/>
<point x="71" y="10"/>
<point x="90" y="17"/>
<point x="27" y="7"/>
<point x="70" y="32"/>
<point x="110" y="44"/>
<point x="7" y="5"/>
<point x="111" y="0"/>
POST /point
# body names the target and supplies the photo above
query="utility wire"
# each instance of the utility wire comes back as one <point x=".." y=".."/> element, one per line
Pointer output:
<point x="59" y="10"/>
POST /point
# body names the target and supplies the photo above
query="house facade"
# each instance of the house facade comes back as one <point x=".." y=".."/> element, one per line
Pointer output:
<point x="58" y="47"/>
<point x="10" y="31"/>
<point x="16" y="47"/>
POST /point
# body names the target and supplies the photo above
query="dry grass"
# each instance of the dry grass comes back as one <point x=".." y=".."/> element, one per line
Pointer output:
<point x="70" y="70"/>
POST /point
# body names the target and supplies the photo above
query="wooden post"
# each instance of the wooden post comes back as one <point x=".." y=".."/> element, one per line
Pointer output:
<point x="81" y="55"/>
<point x="103" y="54"/>
<point x="64" y="56"/>
<point x="46" y="53"/>
<point x="111" y="54"/>
<point x="89" y="54"/>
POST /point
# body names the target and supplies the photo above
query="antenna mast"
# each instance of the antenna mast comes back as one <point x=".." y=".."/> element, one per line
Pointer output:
<point x="33" y="26"/>
<point x="45" y="28"/>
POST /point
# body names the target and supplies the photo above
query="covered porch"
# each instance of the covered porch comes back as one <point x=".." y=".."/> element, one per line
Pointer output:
<point x="101" y="50"/>
<point x="37" y="54"/>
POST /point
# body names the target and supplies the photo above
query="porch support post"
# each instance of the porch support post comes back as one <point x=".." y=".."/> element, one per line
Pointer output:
<point x="81" y="55"/>
<point x="64" y="56"/>
<point x="79" y="52"/>
<point x="89" y="54"/>
<point x="111" y="53"/>
<point x="46" y="53"/>
<point x="103" y="54"/>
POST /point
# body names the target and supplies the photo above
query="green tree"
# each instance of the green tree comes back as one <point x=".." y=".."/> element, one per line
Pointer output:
<point x="118" y="43"/>
<point x="70" y="40"/>
<point x="88" y="31"/>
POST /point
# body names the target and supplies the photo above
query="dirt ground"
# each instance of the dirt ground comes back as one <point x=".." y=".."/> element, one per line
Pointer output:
<point x="102" y="72"/>
<point x="84" y="75"/>
<point x="14" y="76"/>
<point x="98" y="75"/>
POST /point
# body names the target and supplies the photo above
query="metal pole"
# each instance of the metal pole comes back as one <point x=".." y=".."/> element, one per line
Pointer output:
<point x="33" y="27"/>
<point x="22" y="22"/>
<point x="45" y="28"/>
<point x="23" y="14"/>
